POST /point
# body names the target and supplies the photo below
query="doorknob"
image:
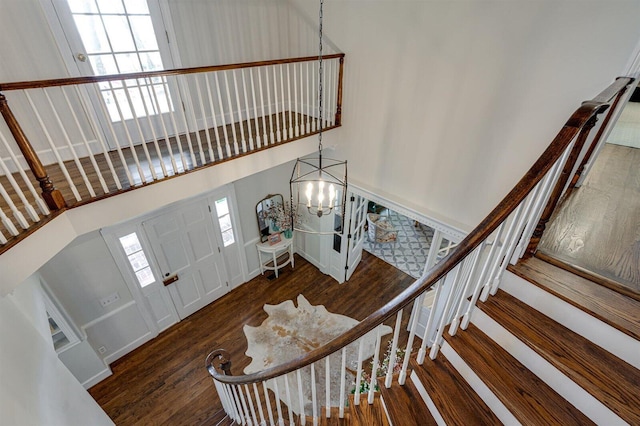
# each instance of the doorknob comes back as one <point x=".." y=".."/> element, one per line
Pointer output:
<point x="170" y="280"/>
<point x="81" y="57"/>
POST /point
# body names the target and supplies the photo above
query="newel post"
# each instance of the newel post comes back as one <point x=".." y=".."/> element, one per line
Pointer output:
<point x="53" y="197"/>
<point x="558" y="189"/>
<point x="339" y="96"/>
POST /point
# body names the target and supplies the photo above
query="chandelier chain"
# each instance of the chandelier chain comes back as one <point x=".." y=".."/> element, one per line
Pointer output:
<point x="320" y="82"/>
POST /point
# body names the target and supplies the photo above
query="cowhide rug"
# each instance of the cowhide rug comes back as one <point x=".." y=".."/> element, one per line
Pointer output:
<point x="291" y="331"/>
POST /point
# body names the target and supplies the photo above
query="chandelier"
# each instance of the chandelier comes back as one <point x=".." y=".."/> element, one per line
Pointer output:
<point x="319" y="184"/>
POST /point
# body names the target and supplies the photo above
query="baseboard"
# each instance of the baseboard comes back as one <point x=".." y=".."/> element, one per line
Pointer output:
<point x="97" y="378"/>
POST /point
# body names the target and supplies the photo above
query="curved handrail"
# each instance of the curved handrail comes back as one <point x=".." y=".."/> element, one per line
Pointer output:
<point x="21" y="85"/>
<point x="544" y="163"/>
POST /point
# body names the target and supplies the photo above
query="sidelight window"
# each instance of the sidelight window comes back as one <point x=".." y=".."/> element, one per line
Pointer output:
<point x="137" y="259"/>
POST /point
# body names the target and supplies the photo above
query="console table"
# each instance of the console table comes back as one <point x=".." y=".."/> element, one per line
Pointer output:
<point x="278" y="255"/>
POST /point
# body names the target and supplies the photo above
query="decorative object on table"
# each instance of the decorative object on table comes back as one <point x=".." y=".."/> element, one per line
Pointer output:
<point x="264" y="214"/>
<point x="280" y="216"/>
<point x="274" y="239"/>
<point x="289" y="332"/>
<point x="319" y="184"/>
<point x="380" y="229"/>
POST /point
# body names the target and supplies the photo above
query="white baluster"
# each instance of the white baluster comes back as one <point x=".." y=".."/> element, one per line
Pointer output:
<point x="194" y="120"/>
<point x="154" y="137"/>
<point x="16" y="213"/>
<point x="316" y="113"/>
<point x="167" y="141"/>
<point x="233" y="411"/>
<point x="301" y="415"/>
<point x="222" y="396"/>
<point x="285" y="135"/>
<point x="239" y="104"/>
<point x="288" y="394"/>
<point x="251" y="407"/>
<point x="529" y="214"/>
<point x="314" y="403"/>
<point x="174" y="123"/>
<point x="329" y="92"/>
<point x="275" y="103"/>
<point x="394" y="347"/>
<point x="259" y="404"/>
<point x="295" y="97"/>
<point x="425" y="337"/>
<point x="105" y="189"/>
<point x="327" y="387"/>
<point x="255" y="109"/>
<point x="8" y="224"/>
<point x="239" y="405"/>
<point x="3" y="239"/>
<point x="415" y="313"/>
<point x="29" y="208"/>
<point x="308" y="115"/>
<point x="245" y="406"/>
<point x="356" y="396"/>
<point x="289" y="100"/>
<point x="343" y="374"/>
<point x="271" y="139"/>
<point x="223" y="115"/>
<point x="204" y="120"/>
<point x="232" y="119"/>
<point x="435" y="347"/>
<point x="246" y="105"/>
<point x="268" y="403"/>
<point x="278" y="406"/>
<point x="374" y="367"/>
<point x="265" y="137"/>
<point x="179" y="85"/>
<point x="72" y="150"/>
<point x="215" y="120"/>
<point x="471" y="260"/>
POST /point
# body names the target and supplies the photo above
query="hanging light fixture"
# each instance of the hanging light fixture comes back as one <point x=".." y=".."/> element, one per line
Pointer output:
<point x="319" y="184"/>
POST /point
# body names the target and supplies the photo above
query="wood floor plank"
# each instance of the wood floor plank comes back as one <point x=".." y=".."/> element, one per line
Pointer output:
<point x="165" y="380"/>
<point x="615" y="309"/>
<point x="405" y="405"/>
<point x="455" y="400"/>
<point x="527" y="397"/>
<point x="609" y="379"/>
<point x="365" y="414"/>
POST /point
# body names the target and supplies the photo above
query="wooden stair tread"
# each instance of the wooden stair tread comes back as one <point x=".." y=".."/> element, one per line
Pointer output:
<point x="404" y="404"/>
<point x="456" y="401"/>
<point x="613" y="381"/>
<point x="617" y="310"/>
<point x="365" y="414"/>
<point x="333" y="420"/>
<point x="524" y="394"/>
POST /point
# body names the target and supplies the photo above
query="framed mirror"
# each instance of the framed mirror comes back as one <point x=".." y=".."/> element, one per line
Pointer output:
<point x="262" y="213"/>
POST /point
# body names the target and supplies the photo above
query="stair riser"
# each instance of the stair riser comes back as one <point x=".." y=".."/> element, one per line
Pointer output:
<point x="569" y="390"/>
<point x="478" y="386"/>
<point x="605" y="336"/>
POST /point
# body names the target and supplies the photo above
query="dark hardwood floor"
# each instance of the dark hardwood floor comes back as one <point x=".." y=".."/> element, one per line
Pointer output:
<point x="164" y="382"/>
<point x="596" y="229"/>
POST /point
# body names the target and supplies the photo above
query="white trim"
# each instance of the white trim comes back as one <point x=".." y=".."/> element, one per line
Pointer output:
<point x="128" y="348"/>
<point x="427" y="399"/>
<point x="107" y="315"/>
<point x="60" y="38"/>
<point x="165" y="14"/>
<point x="97" y="378"/>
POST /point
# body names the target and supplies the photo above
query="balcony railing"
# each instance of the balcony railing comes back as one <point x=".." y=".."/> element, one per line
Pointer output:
<point x="83" y="139"/>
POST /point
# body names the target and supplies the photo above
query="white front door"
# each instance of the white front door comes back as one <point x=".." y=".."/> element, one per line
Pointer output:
<point x="357" y="219"/>
<point x="188" y="252"/>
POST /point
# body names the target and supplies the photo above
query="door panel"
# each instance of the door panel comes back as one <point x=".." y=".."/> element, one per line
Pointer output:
<point x="184" y="243"/>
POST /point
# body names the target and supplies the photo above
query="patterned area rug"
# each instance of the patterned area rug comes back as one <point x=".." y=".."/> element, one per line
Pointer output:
<point x="409" y="252"/>
<point x="289" y="332"/>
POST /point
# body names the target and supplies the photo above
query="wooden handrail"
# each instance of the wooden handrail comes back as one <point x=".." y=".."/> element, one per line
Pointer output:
<point x="21" y="85"/>
<point x="576" y="122"/>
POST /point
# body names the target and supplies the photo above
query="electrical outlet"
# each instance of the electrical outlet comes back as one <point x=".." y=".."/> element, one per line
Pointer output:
<point x="105" y="301"/>
<point x="102" y="349"/>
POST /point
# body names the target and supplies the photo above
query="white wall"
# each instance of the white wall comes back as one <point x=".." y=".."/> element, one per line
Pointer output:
<point x="447" y="103"/>
<point x="35" y="387"/>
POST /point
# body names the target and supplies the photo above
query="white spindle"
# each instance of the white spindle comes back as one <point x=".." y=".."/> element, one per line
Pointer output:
<point x="126" y="129"/>
<point x="72" y="150"/>
<point x="394" y="347"/>
<point x="194" y="119"/>
<point x="425" y="337"/>
<point x="174" y="123"/>
<point x="246" y="106"/>
<point x="259" y="404"/>
<point x="214" y="119"/>
<point x="271" y="139"/>
<point x="327" y="387"/>
<point x="275" y="104"/>
<point x="314" y="403"/>
<point x="251" y="407"/>
<point x="3" y="239"/>
<point x="265" y="137"/>
<point x="223" y="114"/>
<point x="239" y="104"/>
<point x="308" y="99"/>
<point x="278" y="406"/>
<point x="255" y="109"/>
<point x="143" y="143"/>
<point x="285" y="135"/>
<point x="204" y="120"/>
<point x="435" y="347"/>
<point x="222" y="395"/>
<point x="167" y="141"/>
<point x="288" y="393"/>
<point x="536" y="196"/>
<point x="105" y="189"/>
<point x="95" y="128"/>
<point x="29" y="208"/>
<point x="316" y="113"/>
<point x="114" y="137"/>
<point x="289" y="100"/>
<point x="374" y="366"/>
<point x="16" y="213"/>
<point x="301" y="415"/>
<point x="154" y="137"/>
<point x="415" y="313"/>
<point x="356" y="396"/>
<point x="329" y="91"/>
<point x="232" y="119"/>
<point x="245" y="408"/>
<point x="343" y="374"/>
<point x="295" y="98"/>
<point x="268" y="402"/>
<point x="183" y="115"/>
<point x="8" y="224"/>
<point x="472" y="261"/>
<point x="237" y="412"/>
